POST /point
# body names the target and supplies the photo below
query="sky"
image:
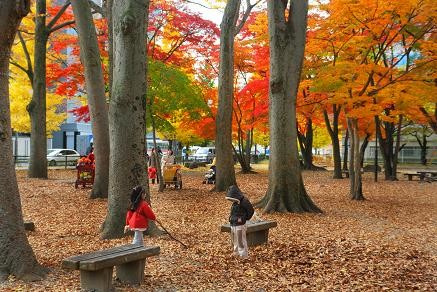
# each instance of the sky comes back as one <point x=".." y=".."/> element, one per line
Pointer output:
<point x="214" y="15"/>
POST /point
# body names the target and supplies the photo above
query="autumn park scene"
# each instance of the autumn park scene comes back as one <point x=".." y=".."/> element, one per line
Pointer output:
<point x="226" y="145"/>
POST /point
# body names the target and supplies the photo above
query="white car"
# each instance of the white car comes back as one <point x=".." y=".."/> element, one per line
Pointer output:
<point x="62" y="156"/>
<point x="203" y="154"/>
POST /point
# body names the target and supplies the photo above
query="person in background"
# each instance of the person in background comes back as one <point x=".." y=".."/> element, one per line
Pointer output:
<point x="152" y="174"/>
<point x="138" y="215"/>
<point x="167" y="159"/>
<point x="241" y="211"/>
<point x="90" y="156"/>
<point x="153" y="158"/>
<point x="90" y="148"/>
<point x="153" y="162"/>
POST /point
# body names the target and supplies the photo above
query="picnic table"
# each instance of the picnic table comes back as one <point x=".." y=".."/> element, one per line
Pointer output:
<point x="423" y="175"/>
<point x="428" y="175"/>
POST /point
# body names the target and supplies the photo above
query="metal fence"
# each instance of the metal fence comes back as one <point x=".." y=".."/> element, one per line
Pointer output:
<point x="23" y="162"/>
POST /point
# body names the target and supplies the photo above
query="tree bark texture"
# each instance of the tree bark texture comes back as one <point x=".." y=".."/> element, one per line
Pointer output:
<point x="398" y="148"/>
<point x="386" y="144"/>
<point x="286" y="191"/>
<point x="225" y="176"/>
<point x="127" y="165"/>
<point x="333" y="133"/>
<point x="95" y="87"/>
<point x="37" y="106"/>
<point x="356" y="191"/>
<point x="423" y="143"/>
<point x="306" y="146"/>
<point x="363" y="147"/>
<point x="346" y="151"/>
<point x="108" y="9"/>
<point x="16" y="254"/>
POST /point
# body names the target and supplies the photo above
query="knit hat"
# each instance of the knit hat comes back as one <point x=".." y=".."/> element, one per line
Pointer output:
<point x="234" y="194"/>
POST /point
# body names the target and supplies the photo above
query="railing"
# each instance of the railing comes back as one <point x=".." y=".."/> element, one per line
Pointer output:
<point x="21" y="161"/>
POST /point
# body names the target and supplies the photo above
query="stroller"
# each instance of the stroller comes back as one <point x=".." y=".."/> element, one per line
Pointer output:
<point x="172" y="175"/>
<point x="209" y="177"/>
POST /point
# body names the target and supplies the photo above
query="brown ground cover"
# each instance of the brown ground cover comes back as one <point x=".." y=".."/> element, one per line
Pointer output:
<point x="387" y="242"/>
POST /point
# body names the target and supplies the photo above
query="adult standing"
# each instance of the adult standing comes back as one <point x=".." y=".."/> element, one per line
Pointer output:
<point x="153" y="159"/>
<point x="167" y="159"/>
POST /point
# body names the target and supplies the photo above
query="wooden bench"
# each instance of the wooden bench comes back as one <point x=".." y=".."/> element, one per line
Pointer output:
<point x="257" y="232"/>
<point x="96" y="267"/>
<point x="410" y="175"/>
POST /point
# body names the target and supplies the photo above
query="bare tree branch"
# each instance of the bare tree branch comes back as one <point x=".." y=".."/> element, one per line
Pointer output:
<point x="97" y="8"/>
<point x="62" y="25"/>
<point x="28" y="59"/>
<point x="245" y="16"/>
<point x="58" y="15"/>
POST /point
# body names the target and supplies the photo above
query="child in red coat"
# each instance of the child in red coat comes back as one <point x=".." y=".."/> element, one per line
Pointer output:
<point x="138" y="215"/>
<point x="152" y="174"/>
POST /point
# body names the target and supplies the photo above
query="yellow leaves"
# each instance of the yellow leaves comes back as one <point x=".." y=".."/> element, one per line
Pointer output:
<point x="20" y="90"/>
<point x="20" y="93"/>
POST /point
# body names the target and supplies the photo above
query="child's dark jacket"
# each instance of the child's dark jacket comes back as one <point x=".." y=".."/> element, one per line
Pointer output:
<point x="242" y="211"/>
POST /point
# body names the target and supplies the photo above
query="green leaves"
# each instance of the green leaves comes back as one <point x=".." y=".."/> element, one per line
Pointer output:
<point x="171" y="95"/>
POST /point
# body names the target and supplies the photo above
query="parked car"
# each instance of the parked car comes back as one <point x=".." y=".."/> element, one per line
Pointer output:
<point x="203" y="154"/>
<point x="62" y="156"/>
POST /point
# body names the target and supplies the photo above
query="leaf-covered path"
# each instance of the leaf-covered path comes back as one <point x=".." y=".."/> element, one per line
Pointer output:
<point x="388" y="241"/>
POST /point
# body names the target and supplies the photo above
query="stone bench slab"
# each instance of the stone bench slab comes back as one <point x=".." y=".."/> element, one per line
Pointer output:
<point x="257" y="232"/>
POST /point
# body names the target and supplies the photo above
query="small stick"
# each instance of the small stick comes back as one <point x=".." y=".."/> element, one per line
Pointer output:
<point x="171" y="236"/>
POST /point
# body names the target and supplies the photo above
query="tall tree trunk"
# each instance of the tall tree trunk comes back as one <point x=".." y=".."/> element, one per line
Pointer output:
<point x="247" y="149"/>
<point x="37" y="106"/>
<point x="356" y="191"/>
<point x="423" y="143"/>
<point x="243" y="155"/>
<point x="306" y="146"/>
<point x="286" y="191"/>
<point x="333" y="133"/>
<point x="108" y="10"/>
<point x="363" y="149"/>
<point x="95" y="85"/>
<point x="386" y="146"/>
<point x="423" y="149"/>
<point x="346" y="151"/>
<point x="127" y="112"/>
<point x="225" y="176"/>
<point x="16" y="255"/>
<point x="397" y="148"/>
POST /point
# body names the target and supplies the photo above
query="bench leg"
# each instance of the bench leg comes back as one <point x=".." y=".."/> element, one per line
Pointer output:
<point x="257" y="237"/>
<point x="100" y="280"/>
<point x="131" y="273"/>
<point x="410" y="177"/>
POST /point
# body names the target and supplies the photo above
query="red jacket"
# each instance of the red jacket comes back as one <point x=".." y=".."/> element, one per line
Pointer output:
<point x="139" y="217"/>
<point x="152" y="172"/>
